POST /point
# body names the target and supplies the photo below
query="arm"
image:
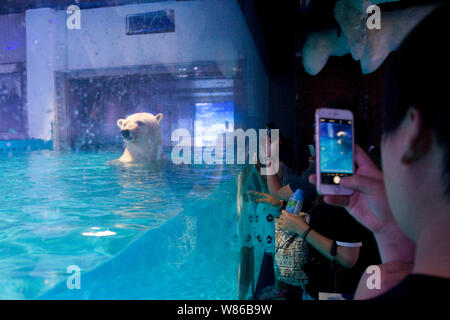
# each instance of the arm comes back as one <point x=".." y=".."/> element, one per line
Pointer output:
<point x="262" y="197"/>
<point x="276" y="190"/>
<point x="295" y="182"/>
<point x="346" y="256"/>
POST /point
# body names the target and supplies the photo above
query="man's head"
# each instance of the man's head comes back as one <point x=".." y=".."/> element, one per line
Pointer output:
<point x="140" y="127"/>
<point x="416" y="133"/>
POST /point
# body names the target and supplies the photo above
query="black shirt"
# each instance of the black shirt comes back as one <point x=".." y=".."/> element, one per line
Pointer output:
<point x="337" y="224"/>
<point x="416" y="286"/>
<point x="301" y="182"/>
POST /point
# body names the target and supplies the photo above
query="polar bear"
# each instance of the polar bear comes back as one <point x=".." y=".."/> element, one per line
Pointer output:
<point x="141" y="133"/>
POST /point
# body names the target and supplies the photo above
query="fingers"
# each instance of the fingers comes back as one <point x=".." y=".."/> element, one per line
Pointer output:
<point x="340" y="201"/>
<point x="254" y="199"/>
<point x="251" y="192"/>
<point x="281" y="220"/>
<point x="283" y="215"/>
<point x="356" y="182"/>
<point x="255" y="195"/>
<point x="261" y="200"/>
<point x="362" y="159"/>
<point x="360" y="183"/>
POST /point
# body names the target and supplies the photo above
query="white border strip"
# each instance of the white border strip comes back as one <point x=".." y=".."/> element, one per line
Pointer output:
<point x="349" y="244"/>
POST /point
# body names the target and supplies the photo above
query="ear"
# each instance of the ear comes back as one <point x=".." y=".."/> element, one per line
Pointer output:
<point x="159" y="117"/>
<point x="419" y="139"/>
<point x="120" y="123"/>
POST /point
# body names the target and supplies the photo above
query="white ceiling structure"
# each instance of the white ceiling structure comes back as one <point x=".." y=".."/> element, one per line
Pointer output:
<point x="369" y="46"/>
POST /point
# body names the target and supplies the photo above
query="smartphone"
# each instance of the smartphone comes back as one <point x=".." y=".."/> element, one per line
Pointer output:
<point x="335" y="149"/>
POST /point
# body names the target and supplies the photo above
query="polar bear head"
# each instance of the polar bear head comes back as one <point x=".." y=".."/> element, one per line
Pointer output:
<point x="141" y="128"/>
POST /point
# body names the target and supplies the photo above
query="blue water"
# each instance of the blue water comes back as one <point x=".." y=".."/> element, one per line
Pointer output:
<point x="135" y="232"/>
<point x="336" y="155"/>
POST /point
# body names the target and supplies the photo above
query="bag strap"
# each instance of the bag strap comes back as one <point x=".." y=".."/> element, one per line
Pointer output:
<point x="288" y="242"/>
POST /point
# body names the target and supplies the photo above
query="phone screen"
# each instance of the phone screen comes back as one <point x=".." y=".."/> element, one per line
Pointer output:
<point x="336" y="150"/>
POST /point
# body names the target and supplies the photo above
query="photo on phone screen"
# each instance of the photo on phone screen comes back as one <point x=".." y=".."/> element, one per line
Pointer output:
<point x="336" y="150"/>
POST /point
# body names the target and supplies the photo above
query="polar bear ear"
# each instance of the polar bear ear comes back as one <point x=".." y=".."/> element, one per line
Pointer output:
<point x="159" y="117"/>
<point x="120" y="123"/>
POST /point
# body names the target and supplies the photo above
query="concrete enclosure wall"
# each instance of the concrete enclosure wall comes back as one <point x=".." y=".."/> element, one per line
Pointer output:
<point x="12" y="42"/>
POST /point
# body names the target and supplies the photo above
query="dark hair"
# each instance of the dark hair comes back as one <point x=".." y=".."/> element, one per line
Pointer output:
<point x="286" y="147"/>
<point x="416" y="79"/>
<point x="286" y="151"/>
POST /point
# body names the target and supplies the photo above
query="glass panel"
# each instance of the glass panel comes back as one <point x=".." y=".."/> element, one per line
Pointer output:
<point x="94" y="203"/>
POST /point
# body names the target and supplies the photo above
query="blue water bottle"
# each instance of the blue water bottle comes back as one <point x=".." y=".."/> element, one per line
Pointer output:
<point x="295" y="202"/>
